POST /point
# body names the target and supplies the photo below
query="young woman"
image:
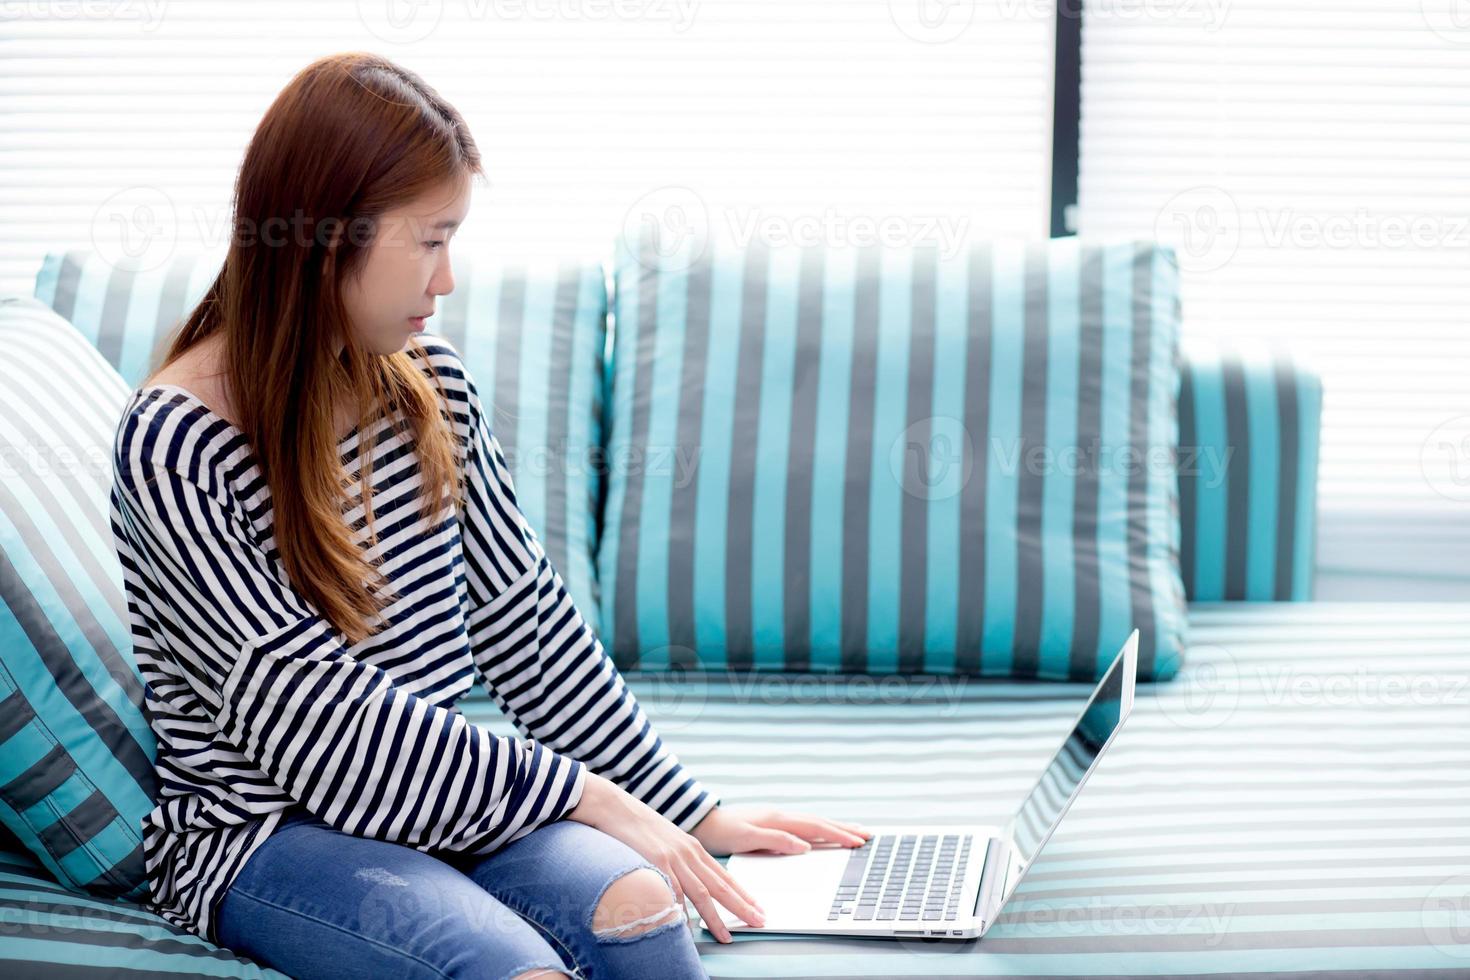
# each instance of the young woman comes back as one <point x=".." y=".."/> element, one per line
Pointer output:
<point x="323" y="551"/>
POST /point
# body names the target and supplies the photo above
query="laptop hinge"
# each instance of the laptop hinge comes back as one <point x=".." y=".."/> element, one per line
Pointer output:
<point x="988" y="873"/>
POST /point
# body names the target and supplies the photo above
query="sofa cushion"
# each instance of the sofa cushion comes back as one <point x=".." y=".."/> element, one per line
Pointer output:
<point x="1290" y="806"/>
<point x="1250" y="423"/>
<point x="532" y="335"/>
<point x="76" y="752"/>
<point x="883" y="460"/>
<point x="47" y="930"/>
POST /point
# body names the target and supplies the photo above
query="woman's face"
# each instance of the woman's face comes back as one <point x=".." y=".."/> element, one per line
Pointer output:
<point x="407" y="268"/>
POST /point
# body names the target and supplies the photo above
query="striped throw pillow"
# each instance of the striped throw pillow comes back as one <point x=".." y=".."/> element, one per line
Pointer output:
<point x="883" y="460"/>
<point x="531" y="334"/>
<point x="76" y="752"/>
<point x="1250" y="422"/>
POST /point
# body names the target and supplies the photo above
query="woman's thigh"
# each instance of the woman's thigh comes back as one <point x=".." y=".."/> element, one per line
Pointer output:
<point x="315" y="902"/>
<point x="556" y="876"/>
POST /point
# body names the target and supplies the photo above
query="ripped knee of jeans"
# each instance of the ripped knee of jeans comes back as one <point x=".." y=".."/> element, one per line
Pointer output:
<point x="665" y="917"/>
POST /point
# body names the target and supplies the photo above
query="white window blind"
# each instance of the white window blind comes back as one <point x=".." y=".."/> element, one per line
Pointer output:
<point x="124" y="122"/>
<point x="1311" y="161"/>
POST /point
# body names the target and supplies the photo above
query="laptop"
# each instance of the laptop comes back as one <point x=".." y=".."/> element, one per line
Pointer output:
<point x="931" y="880"/>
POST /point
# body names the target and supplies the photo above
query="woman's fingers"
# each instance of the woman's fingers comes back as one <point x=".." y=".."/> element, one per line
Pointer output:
<point x="705" y="886"/>
<point x="819" y="828"/>
<point x="700" y="895"/>
<point x="729" y="893"/>
<point x="719" y="869"/>
<point x="855" y="828"/>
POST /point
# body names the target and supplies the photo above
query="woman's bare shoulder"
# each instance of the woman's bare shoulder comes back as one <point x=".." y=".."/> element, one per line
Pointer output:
<point x="198" y="371"/>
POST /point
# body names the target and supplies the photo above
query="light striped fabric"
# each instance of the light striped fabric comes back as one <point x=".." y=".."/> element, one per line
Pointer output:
<point x="1292" y="801"/>
<point x="532" y="334"/>
<point x="50" y="931"/>
<point x="223" y="642"/>
<point x="858" y="459"/>
<point x="1250" y="423"/>
<point x="76" y="753"/>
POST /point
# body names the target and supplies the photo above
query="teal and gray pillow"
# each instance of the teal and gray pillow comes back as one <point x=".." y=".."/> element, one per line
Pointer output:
<point x="861" y="459"/>
<point x="531" y="334"/>
<point x="76" y="751"/>
<point x="1250" y="423"/>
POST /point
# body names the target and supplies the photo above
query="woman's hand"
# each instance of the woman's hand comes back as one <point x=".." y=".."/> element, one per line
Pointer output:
<point x="685" y="860"/>
<point x="725" y="832"/>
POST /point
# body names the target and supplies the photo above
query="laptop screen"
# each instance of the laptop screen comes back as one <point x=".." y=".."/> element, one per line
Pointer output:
<point x="1044" y="806"/>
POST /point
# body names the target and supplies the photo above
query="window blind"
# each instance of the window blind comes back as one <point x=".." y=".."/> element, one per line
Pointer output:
<point x="123" y="123"/>
<point x="1310" y="159"/>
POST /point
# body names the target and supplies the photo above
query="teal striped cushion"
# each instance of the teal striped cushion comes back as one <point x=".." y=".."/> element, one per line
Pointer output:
<point x="50" y="931"/>
<point x="532" y="336"/>
<point x="76" y="752"/>
<point x="1250" y="425"/>
<point x="835" y="460"/>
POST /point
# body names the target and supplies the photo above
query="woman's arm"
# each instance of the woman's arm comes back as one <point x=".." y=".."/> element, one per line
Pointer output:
<point x="277" y="680"/>
<point x="541" y="662"/>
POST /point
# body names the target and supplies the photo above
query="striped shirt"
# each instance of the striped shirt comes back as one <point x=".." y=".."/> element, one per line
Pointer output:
<point x="258" y="703"/>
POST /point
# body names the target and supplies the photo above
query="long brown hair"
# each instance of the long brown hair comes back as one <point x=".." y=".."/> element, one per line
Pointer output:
<point x="350" y="137"/>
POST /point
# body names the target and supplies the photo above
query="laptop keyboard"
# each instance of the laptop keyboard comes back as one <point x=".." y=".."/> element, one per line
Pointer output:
<point x="909" y="877"/>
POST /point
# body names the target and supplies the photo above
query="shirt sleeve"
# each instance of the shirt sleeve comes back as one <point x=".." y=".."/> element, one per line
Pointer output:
<point x="543" y="665"/>
<point x="278" y="680"/>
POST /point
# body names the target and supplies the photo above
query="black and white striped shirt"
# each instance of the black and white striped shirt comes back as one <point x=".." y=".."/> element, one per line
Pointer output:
<point x="259" y="703"/>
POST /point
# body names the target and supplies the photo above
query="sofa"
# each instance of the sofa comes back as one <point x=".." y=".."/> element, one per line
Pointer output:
<point x="1286" y="799"/>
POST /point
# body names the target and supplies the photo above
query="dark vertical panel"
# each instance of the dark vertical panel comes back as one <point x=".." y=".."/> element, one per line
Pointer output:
<point x="914" y="502"/>
<point x="1030" y="571"/>
<point x="859" y="466"/>
<point x="1087" y="585"/>
<point x="1289" y="441"/>
<point x="684" y="501"/>
<point x="970" y="630"/>
<point x="739" y="530"/>
<point x="797" y="608"/>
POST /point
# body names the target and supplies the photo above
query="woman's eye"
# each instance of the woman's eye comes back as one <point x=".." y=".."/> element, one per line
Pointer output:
<point x="434" y="244"/>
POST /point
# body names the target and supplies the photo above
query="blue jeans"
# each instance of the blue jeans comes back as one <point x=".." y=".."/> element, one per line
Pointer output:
<point x="315" y="902"/>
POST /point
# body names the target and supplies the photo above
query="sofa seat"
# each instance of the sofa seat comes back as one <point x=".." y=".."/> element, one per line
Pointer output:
<point x="1291" y="804"/>
<point x="50" y="931"/>
<point x="1294" y="800"/>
